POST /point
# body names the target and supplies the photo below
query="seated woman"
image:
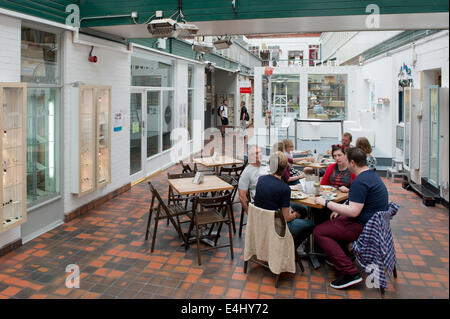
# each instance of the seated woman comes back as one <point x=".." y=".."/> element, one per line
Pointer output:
<point x="337" y="175"/>
<point x="273" y="194"/>
<point x="291" y="180"/>
<point x="364" y="144"/>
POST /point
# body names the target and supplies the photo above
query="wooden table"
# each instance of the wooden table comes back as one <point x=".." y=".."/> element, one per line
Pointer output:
<point x="309" y="203"/>
<point x="316" y="166"/>
<point x="216" y="163"/>
<point x="211" y="183"/>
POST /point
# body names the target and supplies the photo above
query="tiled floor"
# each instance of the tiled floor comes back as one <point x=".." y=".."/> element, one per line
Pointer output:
<point x="114" y="261"/>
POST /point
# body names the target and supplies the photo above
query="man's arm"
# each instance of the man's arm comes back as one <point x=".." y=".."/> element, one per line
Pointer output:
<point x="243" y="199"/>
<point x="353" y="209"/>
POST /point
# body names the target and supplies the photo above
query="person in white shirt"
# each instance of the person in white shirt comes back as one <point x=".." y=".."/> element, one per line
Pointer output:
<point x="250" y="175"/>
<point x="223" y="113"/>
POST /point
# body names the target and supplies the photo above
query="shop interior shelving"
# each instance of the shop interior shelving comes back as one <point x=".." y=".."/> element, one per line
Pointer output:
<point x="13" y="98"/>
<point x="329" y="93"/>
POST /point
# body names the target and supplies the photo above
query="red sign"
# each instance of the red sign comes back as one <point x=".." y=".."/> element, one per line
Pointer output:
<point x="246" y="90"/>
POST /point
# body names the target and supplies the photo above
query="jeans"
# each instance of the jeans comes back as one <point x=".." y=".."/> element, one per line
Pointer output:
<point x="300" y="230"/>
<point x="331" y="234"/>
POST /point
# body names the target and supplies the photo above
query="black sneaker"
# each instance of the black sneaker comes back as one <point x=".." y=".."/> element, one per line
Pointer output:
<point x="346" y="281"/>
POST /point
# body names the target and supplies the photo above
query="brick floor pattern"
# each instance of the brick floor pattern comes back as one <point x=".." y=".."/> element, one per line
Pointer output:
<point x="108" y="245"/>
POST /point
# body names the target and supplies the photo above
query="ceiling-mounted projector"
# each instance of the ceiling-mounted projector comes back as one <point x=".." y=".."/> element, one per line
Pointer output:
<point x="222" y="44"/>
<point x="162" y="28"/>
<point x="202" y="47"/>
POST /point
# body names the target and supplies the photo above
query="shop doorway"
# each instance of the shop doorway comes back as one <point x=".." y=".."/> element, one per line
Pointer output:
<point x="151" y="120"/>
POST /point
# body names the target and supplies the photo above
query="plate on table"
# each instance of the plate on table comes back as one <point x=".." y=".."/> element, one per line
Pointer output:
<point x="304" y="163"/>
<point x="298" y="195"/>
<point x="327" y="188"/>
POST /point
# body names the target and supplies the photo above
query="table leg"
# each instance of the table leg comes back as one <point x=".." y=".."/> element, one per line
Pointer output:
<point x="312" y="254"/>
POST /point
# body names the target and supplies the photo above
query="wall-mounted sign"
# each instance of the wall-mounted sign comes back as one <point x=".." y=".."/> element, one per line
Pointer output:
<point x="118" y="120"/>
<point x="245" y="87"/>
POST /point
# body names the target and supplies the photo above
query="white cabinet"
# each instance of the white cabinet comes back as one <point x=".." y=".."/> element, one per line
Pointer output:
<point x="91" y="138"/>
<point x="13" y="98"/>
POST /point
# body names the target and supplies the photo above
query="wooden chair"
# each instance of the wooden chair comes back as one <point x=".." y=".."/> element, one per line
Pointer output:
<point x="186" y="168"/>
<point x="211" y="210"/>
<point x="280" y="225"/>
<point x="163" y="211"/>
<point x="241" y="222"/>
<point x="232" y="181"/>
<point x="175" y="198"/>
<point x="232" y="171"/>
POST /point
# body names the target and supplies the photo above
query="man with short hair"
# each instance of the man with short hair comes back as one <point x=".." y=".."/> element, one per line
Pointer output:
<point x="223" y="113"/>
<point x="346" y="142"/>
<point x="367" y="195"/>
<point x="250" y="175"/>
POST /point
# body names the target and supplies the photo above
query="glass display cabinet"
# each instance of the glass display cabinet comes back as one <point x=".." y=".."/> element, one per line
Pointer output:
<point x="13" y="211"/>
<point x="91" y="136"/>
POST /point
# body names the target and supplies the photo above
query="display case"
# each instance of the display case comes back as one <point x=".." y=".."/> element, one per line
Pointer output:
<point x="327" y="96"/>
<point x="91" y="138"/>
<point x="13" y="211"/>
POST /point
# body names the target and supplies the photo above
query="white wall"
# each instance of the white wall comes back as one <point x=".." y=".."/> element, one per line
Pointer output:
<point x="112" y="68"/>
<point x="9" y="72"/>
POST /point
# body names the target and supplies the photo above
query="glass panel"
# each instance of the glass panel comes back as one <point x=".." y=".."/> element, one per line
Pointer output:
<point x="154" y="71"/>
<point x="327" y="96"/>
<point x="285" y="97"/>
<point x="39" y="60"/>
<point x="103" y="142"/>
<point x="153" y="122"/>
<point x="12" y="155"/>
<point x="135" y="133"/>
<point x="400" y="136"/>
<point x="190" y="76"/>
<point x="190" y="112"/>
<point x="43" y="134"/>
<point x="87" y="163"/>
<point x="434" y="136"/>
<point x="407" y="101"/>
<point x="167" y="104"/>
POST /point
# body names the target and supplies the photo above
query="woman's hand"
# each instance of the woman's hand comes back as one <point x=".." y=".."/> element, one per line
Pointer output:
<point x="343" y="189"/>
<point x="333" y="215"/>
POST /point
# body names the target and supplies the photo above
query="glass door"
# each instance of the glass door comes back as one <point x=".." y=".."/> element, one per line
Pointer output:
<point x="137" y="157"/>
<point x="433" y="155"/>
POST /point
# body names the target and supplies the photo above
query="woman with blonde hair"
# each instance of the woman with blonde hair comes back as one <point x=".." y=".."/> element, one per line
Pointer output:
<point x="364" y="144"/>
<point x="273" y="194"/>
<point x="291" y="180"/>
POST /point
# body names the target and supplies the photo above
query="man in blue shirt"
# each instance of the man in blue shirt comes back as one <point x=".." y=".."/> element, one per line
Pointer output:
<point x="367" y="195"/>
<point x="272" y="193"/>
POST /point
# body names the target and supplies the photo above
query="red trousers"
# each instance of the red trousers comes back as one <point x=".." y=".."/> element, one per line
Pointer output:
<point x="331" y="234"/>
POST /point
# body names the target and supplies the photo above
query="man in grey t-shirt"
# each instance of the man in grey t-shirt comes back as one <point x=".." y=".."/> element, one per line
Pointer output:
<point x="250" y="175"/>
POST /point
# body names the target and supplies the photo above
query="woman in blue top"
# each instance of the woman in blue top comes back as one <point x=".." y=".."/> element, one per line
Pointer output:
<point x="273" y="194"/>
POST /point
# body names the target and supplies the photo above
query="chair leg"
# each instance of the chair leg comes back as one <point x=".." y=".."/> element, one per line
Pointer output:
<point x="231" y="240"/>
<point x="148" y="223"/>
<point x="232" y="220"/>
<point x="382" y="291"/>
<point x="245" y="266"/>
<point x="299" y="262"/>
<point x="154" y="231"/>
<point x="241" y="223"/>
<point x="395" y="271"/>
<point x="277" y="279"/>
<point x="198" y="244"/>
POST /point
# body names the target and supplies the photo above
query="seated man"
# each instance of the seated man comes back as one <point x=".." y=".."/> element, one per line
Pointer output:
<point x="250" y="175"/>
<point x="367" y="195"/>
<point x="274" y="194"/>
